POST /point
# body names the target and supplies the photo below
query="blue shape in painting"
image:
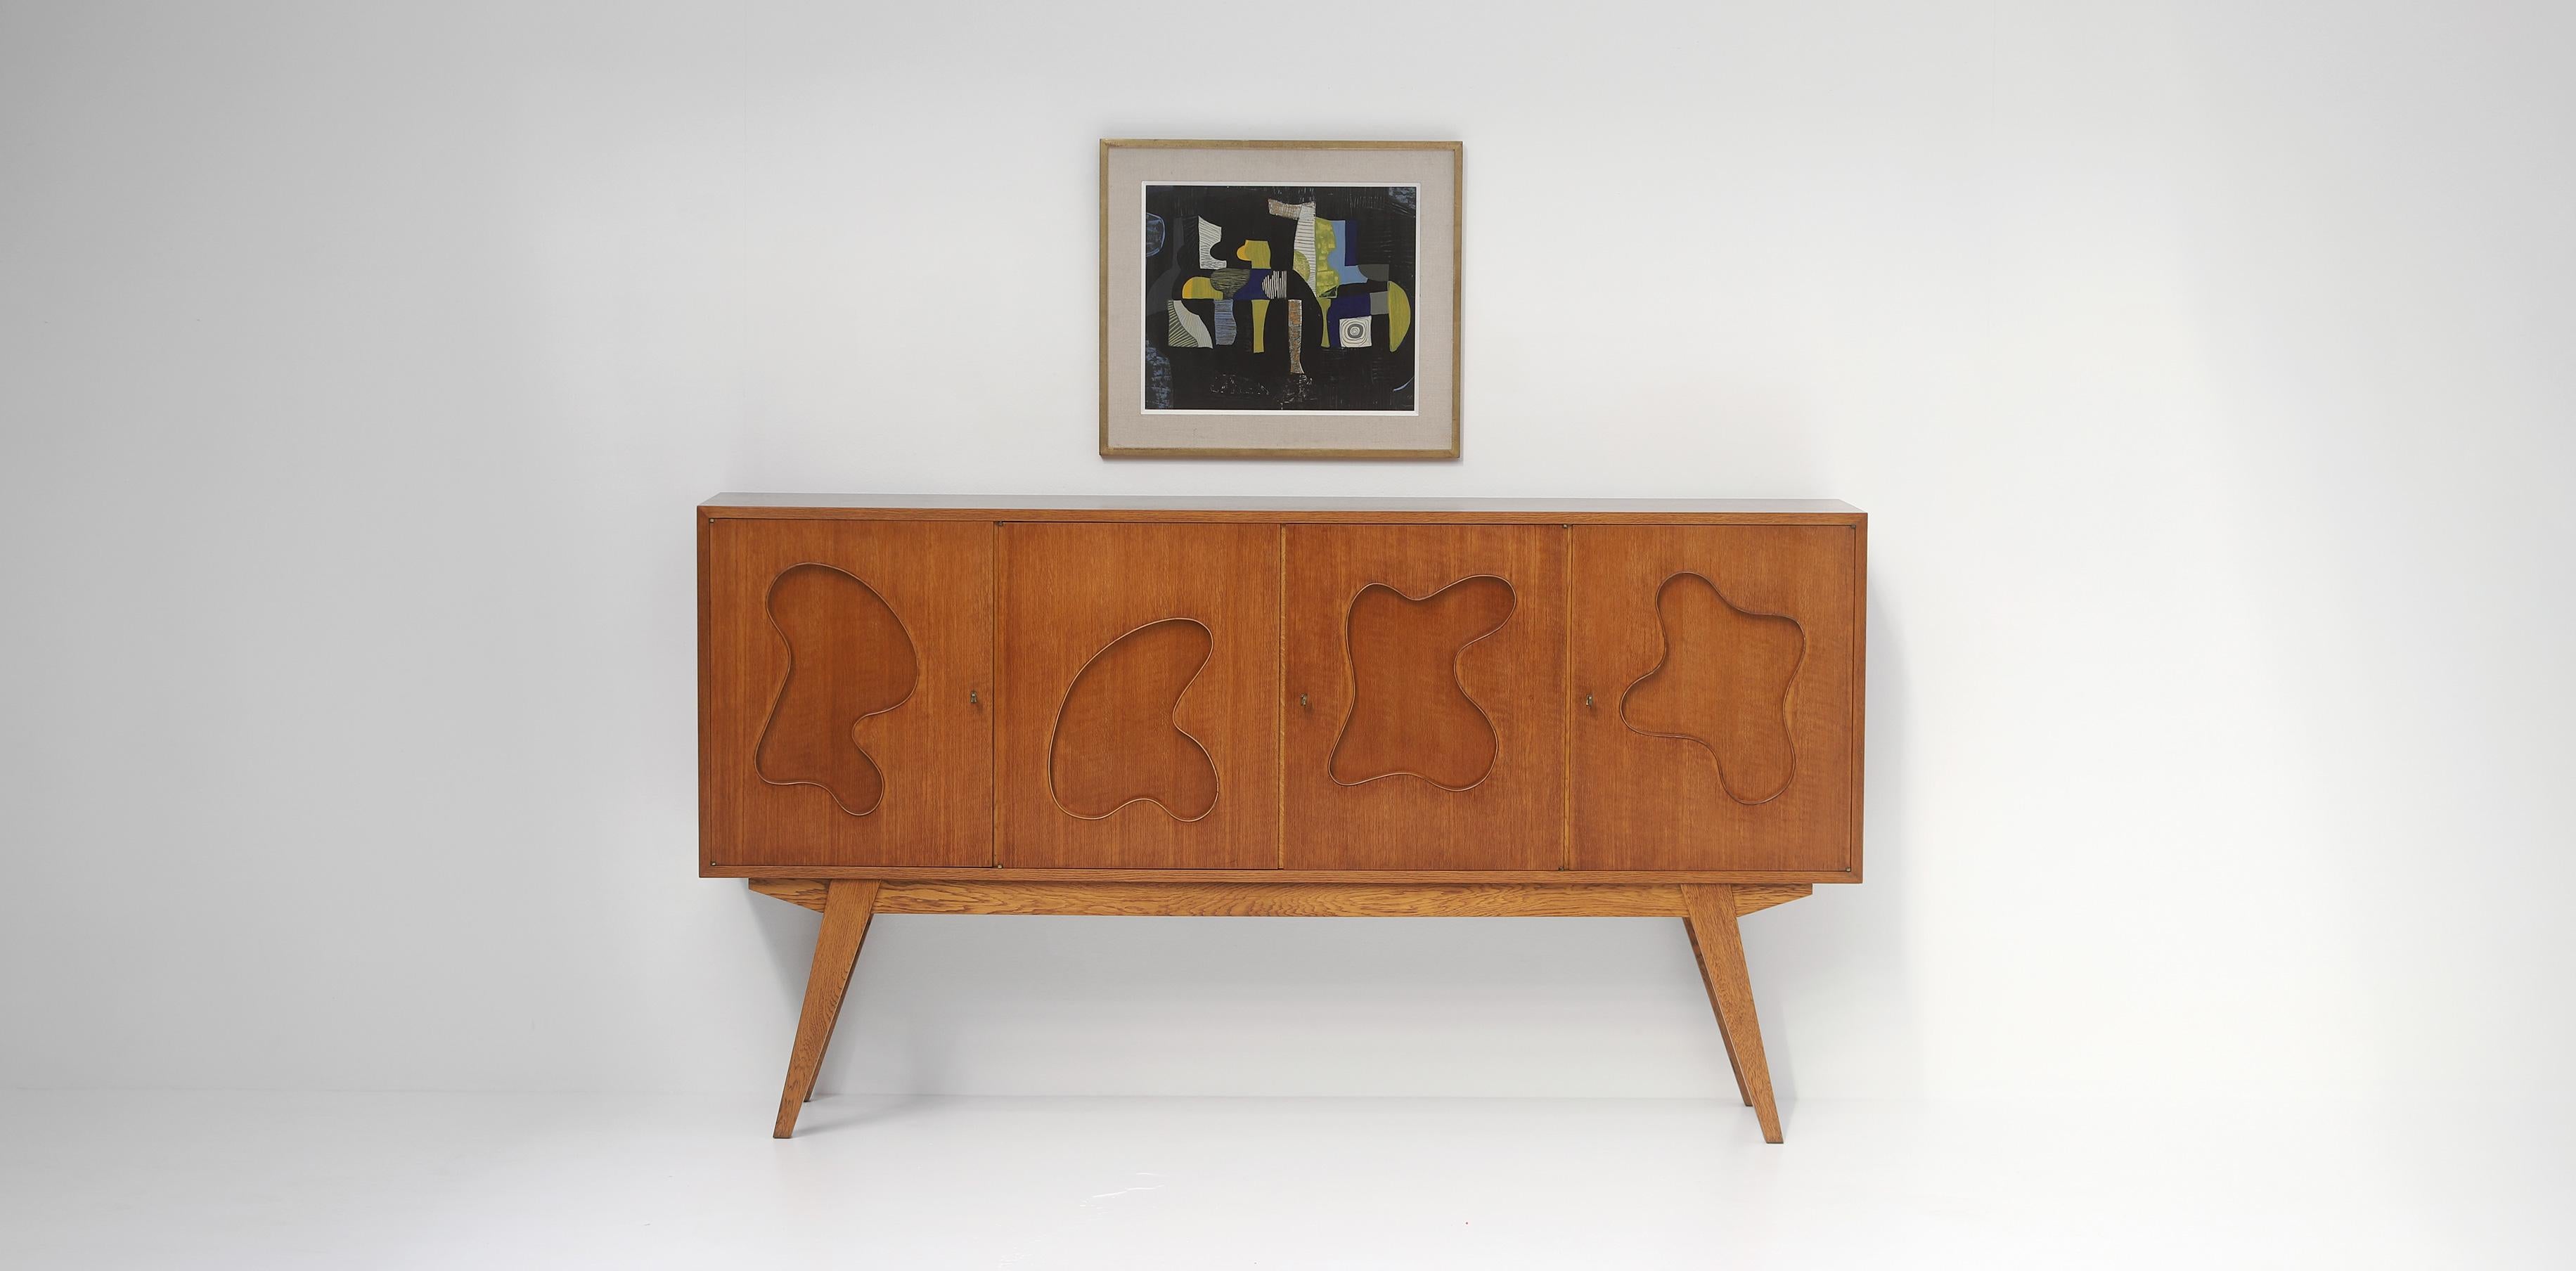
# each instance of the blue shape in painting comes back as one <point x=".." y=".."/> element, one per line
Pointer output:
<point x="1341" y="260"/>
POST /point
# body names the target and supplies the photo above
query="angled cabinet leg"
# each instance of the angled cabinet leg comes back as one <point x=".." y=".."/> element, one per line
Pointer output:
<point x="1720" y="945"/>
<point x="846" y="910"/>
<point x="1700" y="960"/>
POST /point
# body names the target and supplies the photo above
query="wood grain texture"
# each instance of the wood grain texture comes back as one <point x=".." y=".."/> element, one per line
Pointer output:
<point x="1529" y="877"/>
<point x="848" y="905"/>
<point x="1071" y="591"/>
<point x="848" y="659"/>
<point x="1699" y="959"/>
<point x="1723" y="684"/>
<point x="1115" y="742"/>
<point x="1325" y="900"/>
<point x="808" y="892"/>
<point x="1410" y="714"/>
<point x="1644" y="802"/>
<point x="933" y="750"/>
<point x="1328" y="900"/>
<point x="1512" y="818"/>
<point x="1753" y="898"/>
<point x="1719" y="943"/>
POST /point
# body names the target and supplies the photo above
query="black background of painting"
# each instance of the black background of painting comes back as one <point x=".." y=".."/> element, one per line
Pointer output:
<point x="1382" y="232"/>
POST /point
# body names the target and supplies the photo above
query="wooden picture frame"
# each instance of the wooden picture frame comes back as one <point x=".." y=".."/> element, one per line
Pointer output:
<point x="1319" y="336"/>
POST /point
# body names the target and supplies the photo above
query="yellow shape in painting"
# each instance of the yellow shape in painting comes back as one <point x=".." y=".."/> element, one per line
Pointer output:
<point x="1255" y="254"/>
<point x="1260" y="313"/>
<point x="1198" y="289"/>
<point x="1399" y="316"/>
<point x="1326" y="279"/>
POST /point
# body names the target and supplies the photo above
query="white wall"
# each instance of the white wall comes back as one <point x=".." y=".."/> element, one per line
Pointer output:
<point x="2205" y="370"/>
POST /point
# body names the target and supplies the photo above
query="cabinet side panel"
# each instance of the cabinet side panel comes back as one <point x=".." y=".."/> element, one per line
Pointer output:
<point x="710" y="718"/>
<point x="879" y="744"/>
<point x="1715" y="671"/>
<point x="1139" y="709"/>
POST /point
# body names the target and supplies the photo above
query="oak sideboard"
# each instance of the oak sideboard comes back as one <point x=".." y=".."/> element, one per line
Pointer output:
<point x="1313" y="707"/>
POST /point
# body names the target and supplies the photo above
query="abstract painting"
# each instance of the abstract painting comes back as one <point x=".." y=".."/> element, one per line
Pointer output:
<point x="1294" y="299"/>
<point x="1291" y="298"/>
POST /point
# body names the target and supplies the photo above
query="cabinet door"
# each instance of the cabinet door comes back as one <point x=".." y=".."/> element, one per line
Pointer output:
<point x="1716" y="676"/>
<point x="835" y="720"/>
<point x="1140" y="689"/>
<point x="1425" y="697"/>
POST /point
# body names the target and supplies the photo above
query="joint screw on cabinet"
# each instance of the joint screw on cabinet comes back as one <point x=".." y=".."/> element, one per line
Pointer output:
<point x="1587" y="701"/>
<point x="1301" y="700"/>
<point x="971" y="699"/>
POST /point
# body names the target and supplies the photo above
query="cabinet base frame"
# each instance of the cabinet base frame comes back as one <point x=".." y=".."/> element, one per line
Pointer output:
<point x="1709" y="912"/>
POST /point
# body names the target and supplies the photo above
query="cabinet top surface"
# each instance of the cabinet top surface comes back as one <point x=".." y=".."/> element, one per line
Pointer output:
<point x="1131" y="505"/>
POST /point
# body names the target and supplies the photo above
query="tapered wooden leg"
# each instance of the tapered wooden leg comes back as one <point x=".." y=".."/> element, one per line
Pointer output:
<point x="1700" y="960"/>
<point x="1720" y="944"/>
<point x="846" y="910"/>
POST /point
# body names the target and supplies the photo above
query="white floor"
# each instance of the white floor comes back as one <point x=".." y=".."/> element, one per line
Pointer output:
<point x="414" y="1180"/>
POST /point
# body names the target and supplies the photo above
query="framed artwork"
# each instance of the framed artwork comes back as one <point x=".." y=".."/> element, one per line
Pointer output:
<point x="1279" y="299"/>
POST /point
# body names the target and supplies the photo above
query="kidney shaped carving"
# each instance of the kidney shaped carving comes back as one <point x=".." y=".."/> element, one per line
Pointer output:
<point x="1410" y="713"/>
<point x="848" y="658"/>
<point x="1117" y="740"/>
<point x="1724" y="683"/>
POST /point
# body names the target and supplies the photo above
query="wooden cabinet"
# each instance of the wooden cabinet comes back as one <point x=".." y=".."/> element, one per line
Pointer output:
<point x="1649" y="708"/>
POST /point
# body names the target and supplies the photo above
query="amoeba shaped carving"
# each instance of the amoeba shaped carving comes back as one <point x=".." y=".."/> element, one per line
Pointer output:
<point x="1410" y="713"/>
<point x="1724" y="683"/>
<point x="1116" y="739"/>
<point x="848" y="658"/>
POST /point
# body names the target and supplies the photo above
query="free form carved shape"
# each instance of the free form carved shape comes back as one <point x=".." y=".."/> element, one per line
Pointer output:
<point x="848" y="658"/>
<point x="1725" y="684"/>
<point x="1117" y="737"/>
<point x="1410" y="714"/>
